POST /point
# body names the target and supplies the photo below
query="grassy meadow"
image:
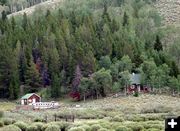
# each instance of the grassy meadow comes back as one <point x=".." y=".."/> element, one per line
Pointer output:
<point x="143" y="113"/>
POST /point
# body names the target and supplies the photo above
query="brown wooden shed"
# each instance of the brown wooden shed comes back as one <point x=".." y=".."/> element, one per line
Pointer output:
<point x="30" y="98"/>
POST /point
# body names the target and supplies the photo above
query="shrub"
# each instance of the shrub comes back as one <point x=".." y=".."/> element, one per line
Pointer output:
<point x="39" y="120"/>
<point x="61" y="125"/>
<point x="118" y="119"/>
<point x="1" y="114"/>
<point x="102" y="129"/>
<point x="86" y="127"/>
<point x="32" y="128"/>
<point x="21" y="125"/>
<point x="123" y="128"/>
<point x="136" y="118"/>
<point x="154" y="117"/>
<point x="136" y="94"/>
<point x="136" y="127"/>
<point x="39" y="125"/>
<point x="156" y="109"/>
<point x="95" y="127"/>
<point x="8" y="121"/>
<point x="107" y="118"/>
<point x="106" y="125"/>
<point x="1" y="123"/>
<point x="153" y="129"/>
<point x="11" y="128"/>
<point x="76" y="129"/>
<point x="45" y="126"/>
<point x="52" y="128"/>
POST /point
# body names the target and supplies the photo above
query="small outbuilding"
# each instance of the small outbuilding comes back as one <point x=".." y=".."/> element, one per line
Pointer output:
<point x="30" y="98"/>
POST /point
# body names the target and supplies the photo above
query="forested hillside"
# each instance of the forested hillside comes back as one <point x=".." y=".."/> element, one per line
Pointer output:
<point x="85" y="48"/>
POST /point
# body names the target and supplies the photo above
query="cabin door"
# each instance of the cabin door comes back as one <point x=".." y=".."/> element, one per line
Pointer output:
<point x="34" y="100"/>
<point x="22" y="102"/>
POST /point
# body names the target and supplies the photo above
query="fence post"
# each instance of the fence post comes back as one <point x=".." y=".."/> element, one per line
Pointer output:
<point x="73" y="118"/>
<point x="55" y="117"/>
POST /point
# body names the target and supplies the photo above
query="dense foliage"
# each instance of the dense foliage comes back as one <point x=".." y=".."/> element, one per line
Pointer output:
<point x="87" y="48"/>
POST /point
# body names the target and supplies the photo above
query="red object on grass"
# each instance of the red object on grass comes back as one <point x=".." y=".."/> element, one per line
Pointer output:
<point x="75" y="95"/>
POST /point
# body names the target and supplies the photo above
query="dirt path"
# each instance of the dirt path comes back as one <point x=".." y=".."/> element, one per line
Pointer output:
<point x="49" y="4"/>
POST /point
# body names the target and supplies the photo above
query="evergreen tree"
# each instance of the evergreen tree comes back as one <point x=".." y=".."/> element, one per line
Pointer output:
<point x="105" y="15"/>
<point x="4" y="15"/>
<point x="77" y="79"/>
<point x="25" y="22"/>
<point x="32" y="76"/>
<point x="125" y="19"/>
<point x="13" y="23"/>
<point x="158" y="45"/>
<point x="174" y="71"/>
<point x="55" y="86"/>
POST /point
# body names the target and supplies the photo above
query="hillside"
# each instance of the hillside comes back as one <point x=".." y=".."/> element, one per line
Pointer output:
<point x="170" y="11"/>
<point x="49" y="4"/>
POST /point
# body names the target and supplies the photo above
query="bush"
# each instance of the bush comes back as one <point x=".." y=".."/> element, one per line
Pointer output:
<point x="95" y="127"/>
<point x="11" y="128"/>
<point x="153" y="129"/>
<point x="32" y="128"/>
<point x="1" y="114"/>
<point x="39" y="120"/>
<point x="8" y="121"/>
<point x="156" y="109"/>
<point x="1" y="123"/>
<point x="39" y="125"/>
<point x="118" y="119"/>
<point x="76" y="129"/>
<point x="21" y="125"/>
<point x="136" y="118"/>
<point x="106" y="125"/>
<point x="61" y="125"/>
<point x="122" y="128"/>
<point x="45" y="126"/>
<point x="52" y="128"/>
<point x="136" y="127"/>
<point x="102" y="129"/>
<point x="136" y="94"/>
<point x="86" y="127"/>
<point x="154" y="117"/>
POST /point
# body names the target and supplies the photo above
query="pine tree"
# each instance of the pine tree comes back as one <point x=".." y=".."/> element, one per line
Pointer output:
<point x="174" y="71"/>
<point x="25" y="22"/>
<point x="32" y="77"/>
<point x="125" y="19"/>
<point x="14" y="86"/>
<point x="158" y="45"/>
<point x="13" y="23"/>
<point x="55" y="86"/>
<point x="77" y="79"/>
<point x="62" y="50"/>
<point x="4" y="15"/>
<point x="105" y="15"/>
